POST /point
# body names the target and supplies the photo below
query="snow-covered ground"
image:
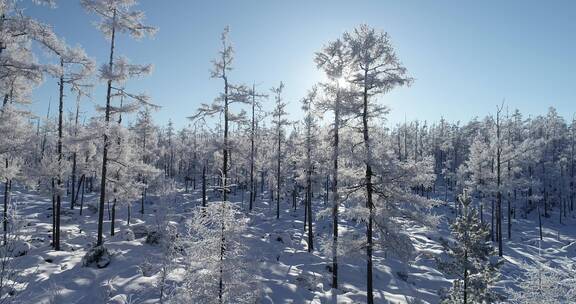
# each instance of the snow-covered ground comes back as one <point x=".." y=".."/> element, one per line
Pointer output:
<point x="289" y="274"/>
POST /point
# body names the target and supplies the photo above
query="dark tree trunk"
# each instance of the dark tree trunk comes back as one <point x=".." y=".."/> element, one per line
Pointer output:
<point x="100" y="239"/>
<point x="335" y="197"/>
<point x="113" y="218"/>
<point x="369" y="192"/>
<point x="60" y="159"/>
<point x="309" y="211"/>
<point x="204" y="186"/>
<point x="252" y="150"/>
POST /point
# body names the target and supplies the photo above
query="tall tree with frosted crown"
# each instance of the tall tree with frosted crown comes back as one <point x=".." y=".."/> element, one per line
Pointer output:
<point x="20" y="72"/>
<point x="332" y="59"/>
<point x="117" y="16"/>
<point x="75" y="67"/>
<point x="279" y="120"/>
<point x="221" y="105"/>
<point x="375" y="69"/>
<point x="255" y="104"/>
<point x="310" y="141"/>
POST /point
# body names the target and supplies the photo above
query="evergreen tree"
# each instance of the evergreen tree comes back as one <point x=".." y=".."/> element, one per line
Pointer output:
<point x="469" y="258"/>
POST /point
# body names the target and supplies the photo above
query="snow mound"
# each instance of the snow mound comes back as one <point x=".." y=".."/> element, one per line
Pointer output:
<point x="98" y="256"/>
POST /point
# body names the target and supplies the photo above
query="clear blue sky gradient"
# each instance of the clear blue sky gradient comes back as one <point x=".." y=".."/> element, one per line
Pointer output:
<point x="466" y="56"/>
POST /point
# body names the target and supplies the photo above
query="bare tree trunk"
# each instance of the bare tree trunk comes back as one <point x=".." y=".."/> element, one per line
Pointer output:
<point x="309" y="209"/>
<point x="278" y="172"/>
<point x="369" y="191"/>
<point x="204" y="186"/>
<point x="465" y="277"/>
<point x="252" y="150"/>
<point x="498" y="181"/>
<point x="60" y="156"/>
<point x="306" y="207"/>
<point x="335" y="197"/>
<point x="226" y="151"/>
<point x="113" y="218"/>
<point x="81" y="184"/>
<point x="222" y="248"/>
<point x="74" y="155"/>
<point x="5" y="212"/>
<point x="100" y="240"/>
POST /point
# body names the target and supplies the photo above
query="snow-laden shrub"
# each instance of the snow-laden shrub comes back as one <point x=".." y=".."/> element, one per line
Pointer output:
<point x="126" y="235"/>
<point x="217" y="269"/>
<point x="146" y="268"/>
<point x="154" y="237"/>
<point x="99" y="256"/>
<point x="15" y="249"/>
<point x="544" y="284"/>
<point x="140" y="230"/>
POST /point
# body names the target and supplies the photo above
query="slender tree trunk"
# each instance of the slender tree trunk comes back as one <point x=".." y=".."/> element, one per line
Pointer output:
<point x="53" y="211"/>
<point x="5" y="212"/>
<point x="100" y="240"/>
<point x="113" y="218"/>
<point x="129" y="206"/>
<point x="252" y="150"/>
<point x="82" y="185"/>
<point x="222" y="248"/>
<point x="204" y="186"/>
<point x="335" y="197"/>
<point x="465" y="277"/>
<point x="226" y="151"/>
<point x="509" y="218"/>
<point x="540" y="223"/>
<point x="309" y="210"/>
<point x="278" y="171"/>
<point x="74" y="155"/>
<point x="499" y="192"/>
<point x="73" y="181"/>
<point x="60" y="156"/>
<point x="142" y="201"/>
<point x="369" y="191"/>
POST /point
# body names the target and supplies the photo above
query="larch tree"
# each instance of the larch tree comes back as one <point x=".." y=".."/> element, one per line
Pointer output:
<point x="117" y="16"/>
<point x="19" y="73"/>
<point x="73" y="70"/>
<point x="279" y="120"/>
<point x="145" y="137"/>
<point x="255" y="104"/>
<point x="375" y="69"/>
<point x="332" y="59"/>
<point x="310" y="142"/>
<point x="214" y="275"/>
<point x="221" y="105"/>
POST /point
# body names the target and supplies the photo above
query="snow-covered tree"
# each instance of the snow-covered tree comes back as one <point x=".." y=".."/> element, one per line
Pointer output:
<point x="375" y="69"/>
<point x="543" y="284"/>
<point x="310" y="141"/>
<point x="279" y="120"/>
<point x="469" y="258"/>
<point x="217" y="269"/>
<point x="221" y="105"/>
<point x="332" y="59"/>
<point x="117" y="16"/>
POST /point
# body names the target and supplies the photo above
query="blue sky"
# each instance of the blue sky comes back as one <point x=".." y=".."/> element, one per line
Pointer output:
<point x="466" y="56"/>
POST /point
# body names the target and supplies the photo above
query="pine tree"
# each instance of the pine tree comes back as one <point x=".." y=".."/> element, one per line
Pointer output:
<point x="469" y="258"/>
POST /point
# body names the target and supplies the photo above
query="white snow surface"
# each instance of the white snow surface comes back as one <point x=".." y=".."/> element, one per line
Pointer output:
<point x="289" y="274"/>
